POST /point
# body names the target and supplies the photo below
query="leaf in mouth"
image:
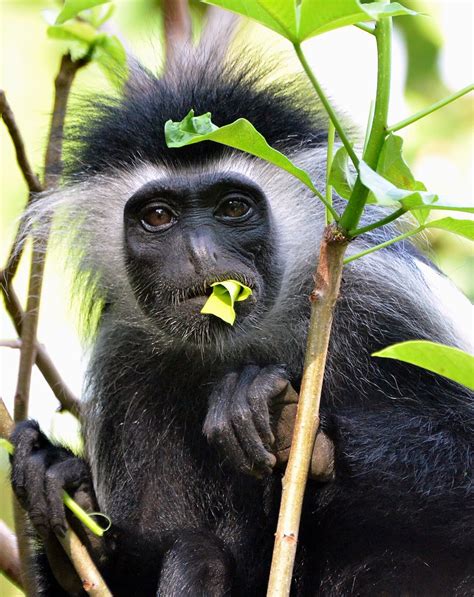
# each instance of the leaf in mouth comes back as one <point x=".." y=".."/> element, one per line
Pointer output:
<point x="223" y="297"/>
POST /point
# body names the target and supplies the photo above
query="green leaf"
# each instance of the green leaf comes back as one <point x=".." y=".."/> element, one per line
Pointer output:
<point x="223" y="297"/>
<point x="450" y="362"/>
<point x="341" y="177"/>
<point x="387" y="194"/>
<point x="277" y="15"/>
<point x="319" y="16"/>
<point x="76" y="31"/>
<point x="240" y="134"/>
<point x="72" y="8"/>
<point x="393" y="167"/>
<point x="461" y="227"/>
<point x="299" y="21"/>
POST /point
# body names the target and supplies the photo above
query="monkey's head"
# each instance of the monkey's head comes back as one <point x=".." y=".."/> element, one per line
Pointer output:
<point x="184" y="232"/>
<point x="154" y="227"/>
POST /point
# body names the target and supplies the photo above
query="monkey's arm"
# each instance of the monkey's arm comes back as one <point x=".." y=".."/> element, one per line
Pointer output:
<point x="40" y="473"/>
<point x="407" y="468"/>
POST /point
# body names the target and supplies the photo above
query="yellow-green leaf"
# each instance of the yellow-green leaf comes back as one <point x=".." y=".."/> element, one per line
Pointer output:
<point x="224" y="295"/>
<point x="72" y="8"/>
<point x="461" y="227"/>
<point x="445" y="360"/>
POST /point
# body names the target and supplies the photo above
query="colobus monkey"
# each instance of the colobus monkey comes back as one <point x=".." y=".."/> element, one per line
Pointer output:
<point x="178" y="436"/>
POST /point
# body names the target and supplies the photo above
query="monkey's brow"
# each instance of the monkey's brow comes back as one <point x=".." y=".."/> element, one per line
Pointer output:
<point x="182" y="185"/>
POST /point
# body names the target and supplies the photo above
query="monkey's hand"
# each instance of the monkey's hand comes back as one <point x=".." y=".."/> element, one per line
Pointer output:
<point x="238" y="419"/>
<point x="251" y="419"/>
<point x="40" y="473"/>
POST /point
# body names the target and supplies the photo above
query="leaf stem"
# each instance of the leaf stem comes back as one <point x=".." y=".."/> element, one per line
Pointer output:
<point x="324" y="100"/>
<point x="357" y="201"/>
<point x="383" y="245"/>
<point x="430" y="109"/>
<point x="366" y="28"/>
<point x="329" y="159"/>
<point x="390" y="218"/>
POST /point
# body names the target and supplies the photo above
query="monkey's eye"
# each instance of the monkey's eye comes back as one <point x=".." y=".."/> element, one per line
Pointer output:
<point x="156" y="217"/>
<point x="232" y="208"/>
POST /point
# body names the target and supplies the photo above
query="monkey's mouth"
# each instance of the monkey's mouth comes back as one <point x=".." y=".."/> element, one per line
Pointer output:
<point x="198" y="294"/>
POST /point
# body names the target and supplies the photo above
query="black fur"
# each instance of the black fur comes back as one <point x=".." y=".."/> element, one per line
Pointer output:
<point x="397" y="519"/>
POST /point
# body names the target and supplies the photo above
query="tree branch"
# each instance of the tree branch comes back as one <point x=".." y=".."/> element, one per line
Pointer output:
<point x="323" y="297"/>
<point x="9" y="558"/>
<point x="178" y="28"/>
<point x="30" y="177"/>
<point x="53" y="168"/>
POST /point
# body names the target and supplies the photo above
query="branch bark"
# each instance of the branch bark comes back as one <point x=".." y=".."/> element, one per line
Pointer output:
<point x="29" y="324"/>
<point x="323" y="297"/>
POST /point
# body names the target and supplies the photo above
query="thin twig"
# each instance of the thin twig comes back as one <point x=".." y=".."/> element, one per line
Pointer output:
<point x="28" y="352"/>
<point x="32" y="181"/>
<point x="30" y="177"/>
<point x="44" y="363"/>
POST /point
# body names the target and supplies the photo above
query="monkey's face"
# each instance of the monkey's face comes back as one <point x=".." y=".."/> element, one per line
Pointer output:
<point x="184" y="233"/>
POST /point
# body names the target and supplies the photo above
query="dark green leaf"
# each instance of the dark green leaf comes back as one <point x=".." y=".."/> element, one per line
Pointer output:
<point x="393" y="167"/>
<point x="72" y="8"/>
<point x="450" y="362"/>
<point x="342" y="177"/>
<point x="240" y="134"/>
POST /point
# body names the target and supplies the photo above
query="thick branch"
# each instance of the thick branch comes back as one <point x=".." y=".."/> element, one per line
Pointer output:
<point x="324" y="296"/>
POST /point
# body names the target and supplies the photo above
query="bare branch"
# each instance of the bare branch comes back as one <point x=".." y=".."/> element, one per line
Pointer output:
<point x="53" y="168"/>
<point x="10" y="344"/>
<point x="30" y="177"/>
<point x="44" y="363"/>
<point x="178" y="32"/>
<point x="9" y="558"/>
<point x="324" y="296"/>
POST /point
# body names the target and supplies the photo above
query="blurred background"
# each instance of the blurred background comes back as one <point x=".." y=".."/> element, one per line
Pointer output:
<point x="433" y="56"/>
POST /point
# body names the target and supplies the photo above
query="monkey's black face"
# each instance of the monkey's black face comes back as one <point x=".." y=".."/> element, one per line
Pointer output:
<point x="184" y="233"/>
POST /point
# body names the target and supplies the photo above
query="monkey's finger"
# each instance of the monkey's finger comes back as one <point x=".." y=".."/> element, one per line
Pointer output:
<point x="257" y="458"/>
<point x="36" y="504"/>
<point x="67" y="475"/>
<point x="267" y="385"/>
<point x="26" y="438"/>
